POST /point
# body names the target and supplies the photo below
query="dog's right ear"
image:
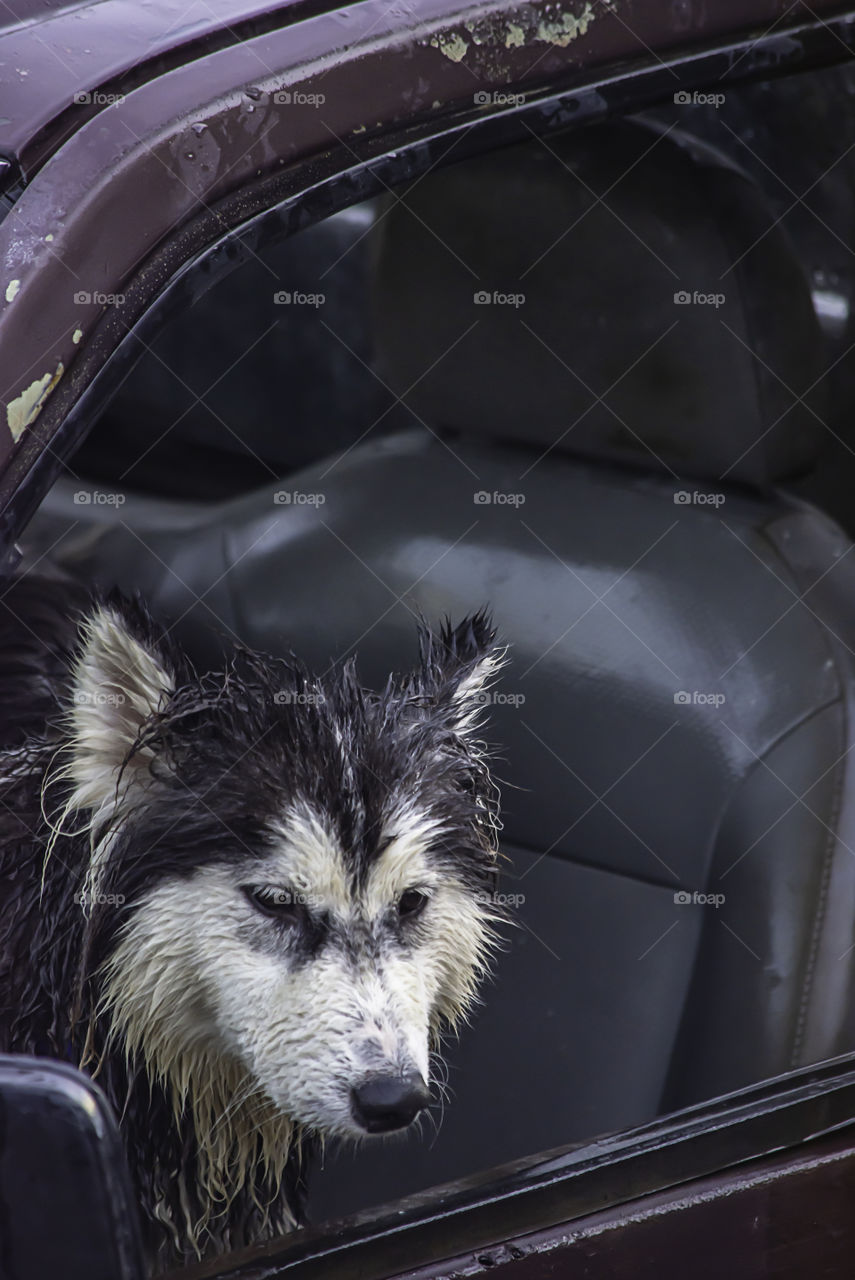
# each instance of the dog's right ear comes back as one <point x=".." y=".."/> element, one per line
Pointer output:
<point x="118" y="682"/>
<point x="458" y="666"/>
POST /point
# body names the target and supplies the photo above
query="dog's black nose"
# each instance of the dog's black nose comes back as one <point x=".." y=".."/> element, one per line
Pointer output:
<point x="384" y="1103"/>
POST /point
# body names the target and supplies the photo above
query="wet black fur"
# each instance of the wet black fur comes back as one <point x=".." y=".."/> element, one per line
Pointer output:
<point x="228" y="753"/>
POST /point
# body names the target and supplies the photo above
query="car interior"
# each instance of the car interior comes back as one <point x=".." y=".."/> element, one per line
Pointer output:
<point x="600" y="381"/>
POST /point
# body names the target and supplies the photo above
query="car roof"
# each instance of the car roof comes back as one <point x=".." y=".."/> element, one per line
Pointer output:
<point x="52" y="52"/>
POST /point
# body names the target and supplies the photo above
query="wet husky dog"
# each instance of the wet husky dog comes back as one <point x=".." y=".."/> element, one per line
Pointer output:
<point x="247" y="902"/>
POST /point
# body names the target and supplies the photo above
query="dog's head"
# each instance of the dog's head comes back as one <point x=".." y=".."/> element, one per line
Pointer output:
<point x="306" y="868"/>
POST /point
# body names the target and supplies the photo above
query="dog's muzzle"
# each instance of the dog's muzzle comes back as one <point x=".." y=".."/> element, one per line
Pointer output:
<point x="383" y="1103"/>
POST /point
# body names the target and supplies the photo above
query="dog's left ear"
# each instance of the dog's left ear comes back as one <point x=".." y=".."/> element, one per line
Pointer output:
<point x="119" y="680"/>
<point x="459" y="665"/>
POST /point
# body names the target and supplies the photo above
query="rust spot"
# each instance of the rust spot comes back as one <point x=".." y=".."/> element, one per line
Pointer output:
<point x="25" y="408"/>
<point x="565" y="28"/>
<point x="453" y="46"/>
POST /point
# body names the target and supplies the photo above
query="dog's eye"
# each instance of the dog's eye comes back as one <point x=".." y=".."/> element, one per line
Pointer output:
<point x="411" y="904"/>
<point x="282" y="904"/>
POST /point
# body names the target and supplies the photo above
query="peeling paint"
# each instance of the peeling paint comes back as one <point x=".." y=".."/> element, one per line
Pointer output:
<point x="76" y="336"/>
<point x="567" y="28"/>
<point x="11" y="289"/>
<point x="453" y="46"/>
<point x="520" y="26"/>
<point x="25" y="408"/>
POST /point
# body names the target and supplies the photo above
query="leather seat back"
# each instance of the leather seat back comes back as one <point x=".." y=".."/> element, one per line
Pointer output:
<point x="620" y="292"/>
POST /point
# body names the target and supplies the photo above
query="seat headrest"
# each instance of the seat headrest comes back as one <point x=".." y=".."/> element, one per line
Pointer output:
<point x="619" y="291"/>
